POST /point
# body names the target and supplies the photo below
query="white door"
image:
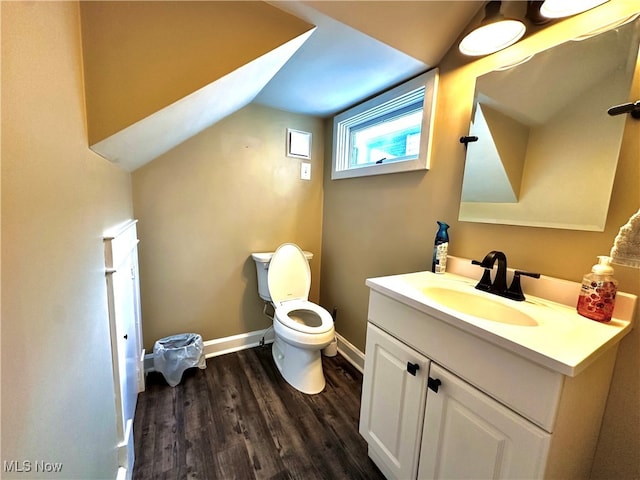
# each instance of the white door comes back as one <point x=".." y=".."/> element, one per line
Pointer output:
<point x="467" y="434"/>
<point x="392" y="409"/>
<point x="125" y="306"/>
<point x="121" y="260"/>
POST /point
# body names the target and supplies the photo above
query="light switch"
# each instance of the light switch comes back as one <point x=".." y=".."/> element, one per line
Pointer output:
<point x="305" y="171"/>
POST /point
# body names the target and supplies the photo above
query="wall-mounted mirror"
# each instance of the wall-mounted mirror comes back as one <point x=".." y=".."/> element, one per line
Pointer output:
<point x="547" y="150"/>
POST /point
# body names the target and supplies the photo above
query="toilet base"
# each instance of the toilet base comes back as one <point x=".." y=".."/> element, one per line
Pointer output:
<point x="300" y="367"/>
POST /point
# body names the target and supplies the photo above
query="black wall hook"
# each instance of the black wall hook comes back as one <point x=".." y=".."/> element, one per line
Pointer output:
<point x="632" y="108"/>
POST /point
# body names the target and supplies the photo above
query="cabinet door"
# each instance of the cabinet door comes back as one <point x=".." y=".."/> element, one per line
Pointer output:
<point x="393" y="396"/>
<point x="467" y="434"/>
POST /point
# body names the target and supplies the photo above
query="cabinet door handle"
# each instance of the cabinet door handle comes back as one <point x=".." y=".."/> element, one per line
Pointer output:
<point x="434" y="384"/>
<point x="412" y="368"/>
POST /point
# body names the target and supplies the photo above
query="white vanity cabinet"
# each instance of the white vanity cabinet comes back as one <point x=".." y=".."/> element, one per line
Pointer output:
<point x="439" y="401"/>
<point x="494" y="441"/>
<point x="392" y="408"/>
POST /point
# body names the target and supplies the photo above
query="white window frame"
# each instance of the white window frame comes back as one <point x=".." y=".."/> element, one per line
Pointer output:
<point x="380" y="106"/>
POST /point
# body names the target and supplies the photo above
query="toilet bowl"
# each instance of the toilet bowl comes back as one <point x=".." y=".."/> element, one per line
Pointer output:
<point x="302" y="328"/>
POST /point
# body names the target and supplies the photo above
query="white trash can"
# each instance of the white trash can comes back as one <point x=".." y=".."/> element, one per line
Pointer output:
<point x="173" y="355"/>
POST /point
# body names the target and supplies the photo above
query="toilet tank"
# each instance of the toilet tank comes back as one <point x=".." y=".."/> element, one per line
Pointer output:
<point x="262" y="260"/>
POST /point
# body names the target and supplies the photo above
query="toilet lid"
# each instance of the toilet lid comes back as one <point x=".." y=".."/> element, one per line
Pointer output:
<point x="289" y="276"/>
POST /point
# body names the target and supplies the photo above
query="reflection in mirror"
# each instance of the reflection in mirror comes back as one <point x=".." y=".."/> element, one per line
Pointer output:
<point x="547" y="151"/>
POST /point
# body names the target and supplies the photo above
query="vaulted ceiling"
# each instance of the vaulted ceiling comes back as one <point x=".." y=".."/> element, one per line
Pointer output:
<point x="157" y="73"/>
<point x="361" y="48"/>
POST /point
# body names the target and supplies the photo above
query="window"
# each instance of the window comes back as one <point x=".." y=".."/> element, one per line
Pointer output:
<point x="387" y="134"/>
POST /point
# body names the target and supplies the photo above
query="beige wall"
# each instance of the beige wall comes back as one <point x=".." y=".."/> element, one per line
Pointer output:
<point x="139" y="57"/>
<point x="203" y="207"/>
<point x="386" y="224"/>
<point x="206" y="205"/>
<point x="57" y="198"/>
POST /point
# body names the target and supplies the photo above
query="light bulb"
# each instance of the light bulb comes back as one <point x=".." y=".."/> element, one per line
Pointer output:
<point x="492" y="37"/>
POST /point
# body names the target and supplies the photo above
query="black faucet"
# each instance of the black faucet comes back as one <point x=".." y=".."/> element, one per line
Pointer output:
<point x="515" y="290"/>
<point x="499" y="284"/>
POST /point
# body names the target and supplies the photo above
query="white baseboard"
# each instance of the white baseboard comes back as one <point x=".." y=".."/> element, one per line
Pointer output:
<point x="126" y="454"/>
<point x="142" y="370"/>
<point x="354" y="356"/>
<point x="148" y="363"/>
<point x="220" y="346"/>
<point x="234" y="343"/>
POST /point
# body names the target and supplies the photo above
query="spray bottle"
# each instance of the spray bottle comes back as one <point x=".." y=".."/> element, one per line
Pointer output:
<point x="440" y="247"/>
<point x="598" y="292"/>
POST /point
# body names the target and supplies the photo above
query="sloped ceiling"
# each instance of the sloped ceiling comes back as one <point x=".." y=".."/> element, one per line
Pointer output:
<point x="157" y="73"/>
<point x="145" y="140"/>
<point x="362" y="48"/>
<point x="423" y="29"/>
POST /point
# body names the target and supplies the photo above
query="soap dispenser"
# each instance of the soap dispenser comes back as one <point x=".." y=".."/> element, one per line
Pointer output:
<point x="598" y="292"/>
<point x="440" y="249"/>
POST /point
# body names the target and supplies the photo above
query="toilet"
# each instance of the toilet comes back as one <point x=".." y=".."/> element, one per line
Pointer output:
<point x="302" y="328"/>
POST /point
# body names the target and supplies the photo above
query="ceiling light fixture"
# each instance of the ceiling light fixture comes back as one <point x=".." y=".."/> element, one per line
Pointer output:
<point x="566" y="8"/>
<point x="494" y="33"/>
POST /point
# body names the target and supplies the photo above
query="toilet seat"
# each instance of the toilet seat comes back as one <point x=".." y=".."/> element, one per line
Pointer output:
<point x="289" y="281"/>
<point x="304" y="316"/>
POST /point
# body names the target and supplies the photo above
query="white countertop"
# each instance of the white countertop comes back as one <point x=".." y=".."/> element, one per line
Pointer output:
<point x="563" y="340"/>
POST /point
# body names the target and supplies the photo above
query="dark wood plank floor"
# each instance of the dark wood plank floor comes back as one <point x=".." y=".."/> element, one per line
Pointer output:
<point x="238" y="419"/>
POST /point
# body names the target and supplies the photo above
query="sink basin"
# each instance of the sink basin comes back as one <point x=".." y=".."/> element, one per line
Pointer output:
<point x="478" y="306"/>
